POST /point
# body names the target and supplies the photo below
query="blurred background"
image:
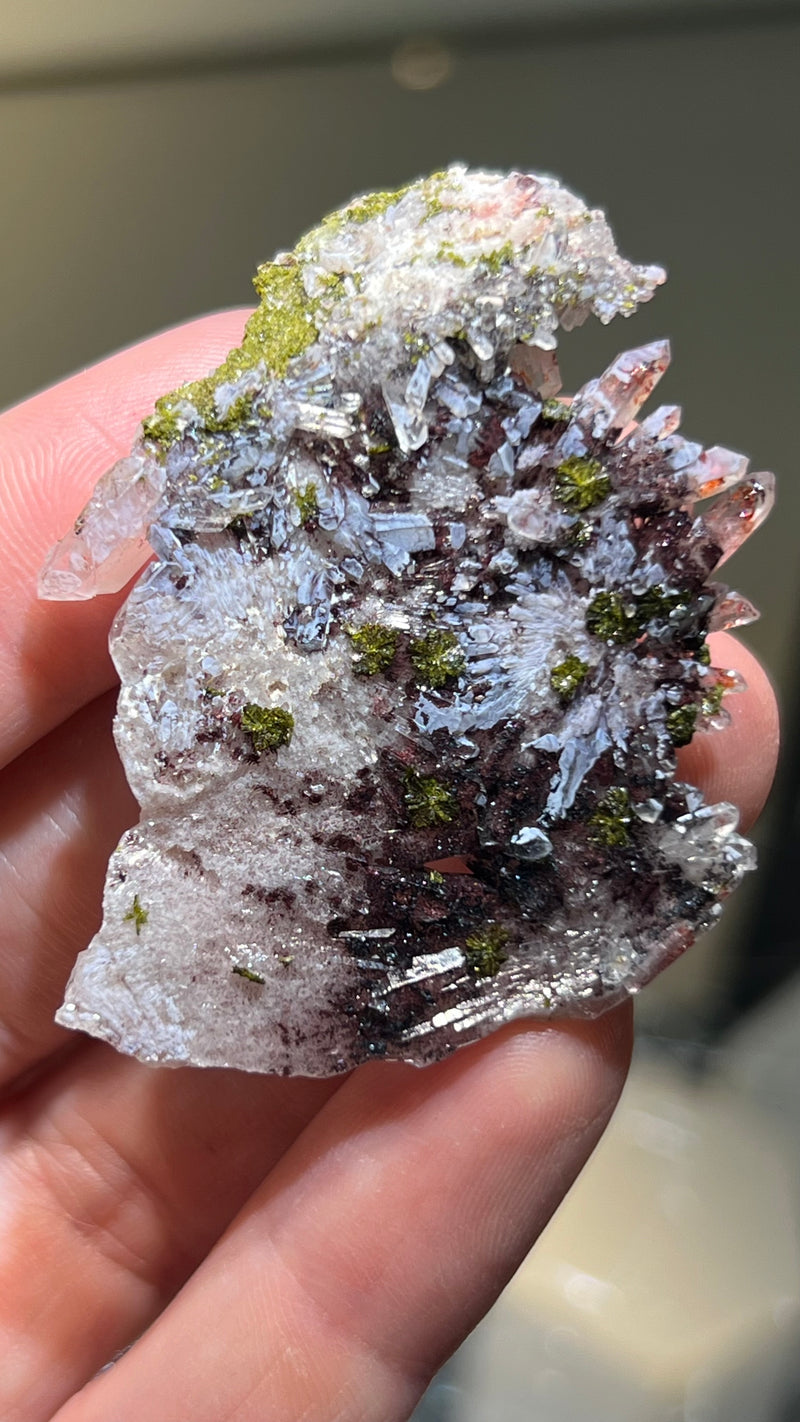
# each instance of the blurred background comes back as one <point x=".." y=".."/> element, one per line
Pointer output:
<point x="151" y="155"/>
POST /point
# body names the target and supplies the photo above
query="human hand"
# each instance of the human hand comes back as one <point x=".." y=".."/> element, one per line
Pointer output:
<point x="332" y="1241"/>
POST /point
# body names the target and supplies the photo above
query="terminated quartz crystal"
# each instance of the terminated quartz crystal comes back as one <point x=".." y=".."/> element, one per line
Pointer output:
<point x="402" y="687"/>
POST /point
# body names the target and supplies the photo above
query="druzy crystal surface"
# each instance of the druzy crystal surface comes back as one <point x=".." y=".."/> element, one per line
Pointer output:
<point x="402" y="687"/>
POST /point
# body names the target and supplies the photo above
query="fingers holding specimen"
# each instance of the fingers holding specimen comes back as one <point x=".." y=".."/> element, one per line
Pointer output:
<point x="737" y="763"/>
<point x="116" y="1179"/>
<point x="55" y="446"/>
<point x="381" y="1237"/>
<point x="63" y="806"/>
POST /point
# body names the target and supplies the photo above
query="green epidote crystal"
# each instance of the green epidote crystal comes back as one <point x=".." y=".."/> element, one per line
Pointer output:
<point x="617" y="618"/>
<point x="375" y="646"/>
<point x="567" y="678"/>
<point x="495" y="261"/>
<point x="611" y="820"/>
<point x="610" y="617"/>
<point x="657" y="605"/>
<point x="247" y="973"/>
<point x="428" y="800"/>
<point x="268" y="727"/>
<point x="681" y="724"/>
<point x="375" y="205"/>
<point x="485" y="951"/>
<point x="712" y="700"/>
<point x="416" y="345"/>
<point x="580" y="483"/>
<point x="281" y="327"/>
<point x="136" y="915"/>
<point x="437" y="658"/>
<point x="307" y="502"/>
<point x="287" y="319"/>
<point x="372" y="205"/>
<point x="555" y="411"/>
<point x="446" y="253"/>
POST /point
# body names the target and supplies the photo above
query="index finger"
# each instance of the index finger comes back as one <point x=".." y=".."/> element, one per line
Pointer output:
<point x="53" y="448"/>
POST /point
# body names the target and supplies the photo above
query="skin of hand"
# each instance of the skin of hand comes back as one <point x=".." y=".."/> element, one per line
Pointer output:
<point x="287" y="1249"/>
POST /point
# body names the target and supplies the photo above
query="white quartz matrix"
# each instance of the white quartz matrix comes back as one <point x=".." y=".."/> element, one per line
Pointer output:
<point x="403" y="684"/>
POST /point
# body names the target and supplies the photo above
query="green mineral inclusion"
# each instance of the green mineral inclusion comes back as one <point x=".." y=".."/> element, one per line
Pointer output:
<point x="448" y="253"/>
<point x="269" y="727"/>
<point x="242" y="972"/>
<point x="416" y="345"/>
<point x="375" y="647"/>
<point x="428" y="800"/>
<point x="485" y="951"/>
<point x="285" y="323"/>
<point x="609" y="617"/>
<point x="495" y="261"/>
<point x="136" y="915"/>
<point x="307" y="502"/>
<point x="681" y="724"/>
<point x="580" y="483"/>
<point x="555" y="411"/>
<point x="279" y="329"/>
<point x="611" y="820"/>
<point x="712" y="700"/>
<point x="657" y="605"/>
<point x="567" y="678"/>
<point x="616" y="618"/>
<point x="372" y="205"/>
<point x="437" y="658"/>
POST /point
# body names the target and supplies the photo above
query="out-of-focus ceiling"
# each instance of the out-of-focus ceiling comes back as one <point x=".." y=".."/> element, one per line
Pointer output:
<point x="44" y="37"/>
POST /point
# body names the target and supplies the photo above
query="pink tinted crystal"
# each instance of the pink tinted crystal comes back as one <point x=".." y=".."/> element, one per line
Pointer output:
<point x="616" y="397"/>
<point x="733" y="611"/>
<point x="717" y="469"/>
<point x="740" y="512"/>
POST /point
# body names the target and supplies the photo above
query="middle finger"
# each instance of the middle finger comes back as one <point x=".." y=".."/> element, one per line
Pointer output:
<point x="63" y="806"/>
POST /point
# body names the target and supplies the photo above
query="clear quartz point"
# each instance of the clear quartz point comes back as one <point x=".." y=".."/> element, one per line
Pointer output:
<point x="108" y="544"/>
<point x="739" y="512"/>
<point x="649" y="810"/>
<point x="613" y="400"/>
<point x="694" y="841"/>
<point x="729" y="679"/>
<point x="733" y="611"/>
<point x="717" y="469"/>
<point x="538" y="368"/>
<point x="659" y="425"/>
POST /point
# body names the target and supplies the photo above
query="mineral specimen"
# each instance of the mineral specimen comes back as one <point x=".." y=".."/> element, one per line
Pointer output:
<point x="402" y="687"/>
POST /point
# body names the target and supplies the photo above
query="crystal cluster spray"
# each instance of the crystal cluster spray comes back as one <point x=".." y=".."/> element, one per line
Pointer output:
<point x="403" y="685"/>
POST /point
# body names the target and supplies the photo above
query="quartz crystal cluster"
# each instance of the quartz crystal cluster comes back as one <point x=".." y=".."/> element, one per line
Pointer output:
<point x="403" y="684"/>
